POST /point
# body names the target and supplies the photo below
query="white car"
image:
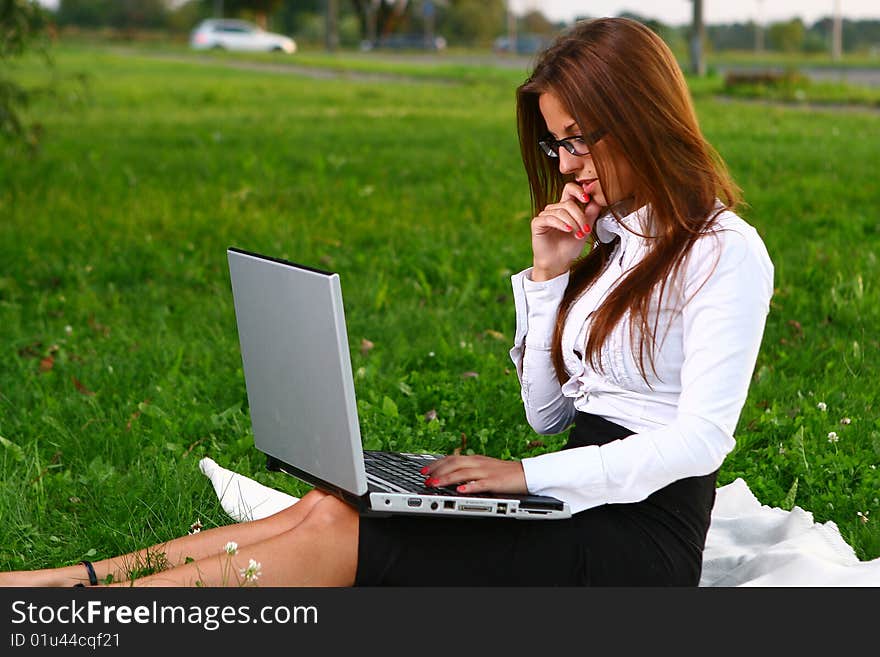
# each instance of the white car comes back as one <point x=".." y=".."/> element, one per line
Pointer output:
<point x="231" y="34"/>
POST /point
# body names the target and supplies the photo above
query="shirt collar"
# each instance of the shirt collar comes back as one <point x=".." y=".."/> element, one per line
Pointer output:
<point x="608" y="227"/>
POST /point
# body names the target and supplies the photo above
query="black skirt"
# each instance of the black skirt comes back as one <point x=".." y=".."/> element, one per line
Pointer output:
<point x="656" y="542"/>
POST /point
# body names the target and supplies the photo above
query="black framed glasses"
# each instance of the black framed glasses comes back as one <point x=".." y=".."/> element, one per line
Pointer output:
<point x="578" y="145"/>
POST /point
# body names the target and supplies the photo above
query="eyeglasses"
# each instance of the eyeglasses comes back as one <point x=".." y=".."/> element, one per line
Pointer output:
<point x="578" y="145"/>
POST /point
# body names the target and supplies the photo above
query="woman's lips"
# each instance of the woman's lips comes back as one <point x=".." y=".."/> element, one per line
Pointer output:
<point x="588" y="185"/>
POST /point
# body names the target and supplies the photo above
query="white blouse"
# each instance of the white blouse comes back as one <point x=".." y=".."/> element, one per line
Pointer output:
<point x="683" y="418"/>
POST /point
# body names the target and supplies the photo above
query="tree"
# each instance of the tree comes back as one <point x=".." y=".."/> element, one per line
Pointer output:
<point x="787" y="36"/>
<point x="534" y="22"/>
<point x="464" y="21"/>
<point x="23" y="24"/>
<point x="698" y="40"/>
<point x="292" y="17"/>
<point x="260" y="10"/>
<point x="379" y="18"/>
<point x="122" y="14"/>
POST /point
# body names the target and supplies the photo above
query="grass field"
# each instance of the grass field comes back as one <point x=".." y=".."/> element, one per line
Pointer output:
<point x="120" y="361"/>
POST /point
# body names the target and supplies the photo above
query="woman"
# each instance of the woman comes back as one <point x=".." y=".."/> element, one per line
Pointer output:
<point x="645" y="345"/>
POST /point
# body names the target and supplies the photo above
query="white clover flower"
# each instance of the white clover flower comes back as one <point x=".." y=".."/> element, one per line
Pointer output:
<point x="832" y="437"/>
<point x="863" y="516"/>
<point x="822" y="406"/>
<point x="845" y="420"/>
<point x="196" y="527"/>
<point x="231" y="547"/>
<point x="252" y="572"/>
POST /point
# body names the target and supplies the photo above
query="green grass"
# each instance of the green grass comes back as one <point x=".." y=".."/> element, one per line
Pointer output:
<point x="113" y="240"/>
<point x="791" y="60"/>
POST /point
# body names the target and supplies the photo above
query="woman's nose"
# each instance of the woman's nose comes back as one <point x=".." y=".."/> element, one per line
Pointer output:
<point x="568" y="163"/>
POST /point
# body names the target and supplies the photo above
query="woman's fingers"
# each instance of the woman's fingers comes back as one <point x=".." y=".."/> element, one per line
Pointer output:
<point x="474" y="474"/>
<point x="452" y="469"/>
<point x="574" y="196"/>
<point x="574" y="191"/>
<point x="569" y="216"/>
<point x="547" y="221"/>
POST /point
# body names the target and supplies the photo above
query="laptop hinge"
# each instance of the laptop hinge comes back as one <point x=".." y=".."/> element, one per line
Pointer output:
<point x="360" y="502"/>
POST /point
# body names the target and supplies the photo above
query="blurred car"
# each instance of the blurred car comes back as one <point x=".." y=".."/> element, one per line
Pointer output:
<point x="405" y="42"/>
<point x="525" y="44"/>
<point x="232" y="34"/>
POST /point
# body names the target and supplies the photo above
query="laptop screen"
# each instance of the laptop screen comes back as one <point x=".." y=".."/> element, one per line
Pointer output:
<point x="297" y="367"/>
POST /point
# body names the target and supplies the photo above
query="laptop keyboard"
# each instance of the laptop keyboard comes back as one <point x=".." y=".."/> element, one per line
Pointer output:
<point x="403" y="471"/>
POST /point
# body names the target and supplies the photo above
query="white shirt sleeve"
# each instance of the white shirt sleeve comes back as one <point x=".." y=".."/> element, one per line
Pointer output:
<point x="548" y="411"/>
<point x="728" y="292"/>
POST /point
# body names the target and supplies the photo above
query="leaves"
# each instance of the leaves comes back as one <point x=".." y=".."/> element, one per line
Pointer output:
<point x="788" y="502"/>
<point x="98" y="328"/>
<point x="48" y="362"/>
<point x="389" y="408"/>
<point x="798" y="440"/>
<point x="80" y="387"/>
<point x="136" y="414"/>
<point x="15" y="450"/>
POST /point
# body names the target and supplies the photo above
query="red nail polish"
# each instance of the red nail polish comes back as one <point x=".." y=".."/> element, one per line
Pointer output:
<point x="424" y="470"/>
<point x="587" y="229"/>
<point x="579" y="234"/>
<point x="460" y="489"/>
<point x="568" y="228"/>
<point x="586" y="198"/>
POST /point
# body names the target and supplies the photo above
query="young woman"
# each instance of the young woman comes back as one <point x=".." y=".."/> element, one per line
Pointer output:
<point x="637" y="328"/>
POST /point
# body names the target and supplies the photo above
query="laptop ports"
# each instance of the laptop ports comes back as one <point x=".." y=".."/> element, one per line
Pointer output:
<point x="478" y="508"/>
<point x="414" y="502"/>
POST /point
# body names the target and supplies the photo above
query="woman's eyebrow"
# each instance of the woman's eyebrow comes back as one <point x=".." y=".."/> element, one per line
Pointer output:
<point x="571" y="128"/>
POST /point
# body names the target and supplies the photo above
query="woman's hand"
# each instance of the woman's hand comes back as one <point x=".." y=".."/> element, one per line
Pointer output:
<point x="559" y="231"/>
<point x="476" y="474"/>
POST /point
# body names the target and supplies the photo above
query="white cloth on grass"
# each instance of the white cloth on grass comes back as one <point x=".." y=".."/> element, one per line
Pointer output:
<point x="748" y="544"/>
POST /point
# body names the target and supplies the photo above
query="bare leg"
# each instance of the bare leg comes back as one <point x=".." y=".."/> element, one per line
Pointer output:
<point x="321" y="550"/>
<point x="173" y="553"/>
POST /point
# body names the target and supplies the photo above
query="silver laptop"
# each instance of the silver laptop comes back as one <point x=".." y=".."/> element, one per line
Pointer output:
<point x="300" y="388"/>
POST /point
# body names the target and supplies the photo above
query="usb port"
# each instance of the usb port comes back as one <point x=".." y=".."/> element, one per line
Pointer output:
<point x="414" y="501"/>
<point x="448" y="504"/>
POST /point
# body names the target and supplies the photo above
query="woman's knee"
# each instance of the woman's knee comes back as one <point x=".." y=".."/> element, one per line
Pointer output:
<point x="294" y="514"/>
<point x="331" y="511"/>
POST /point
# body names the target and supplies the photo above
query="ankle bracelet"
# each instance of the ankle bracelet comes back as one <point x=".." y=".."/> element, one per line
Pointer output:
<point x="93" y="579"/>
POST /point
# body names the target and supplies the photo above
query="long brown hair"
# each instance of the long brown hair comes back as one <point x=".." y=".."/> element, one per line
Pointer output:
<point x="616" y="75"/>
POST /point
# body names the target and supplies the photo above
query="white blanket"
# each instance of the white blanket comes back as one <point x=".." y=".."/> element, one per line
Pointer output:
<point x="748" y="544"/>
